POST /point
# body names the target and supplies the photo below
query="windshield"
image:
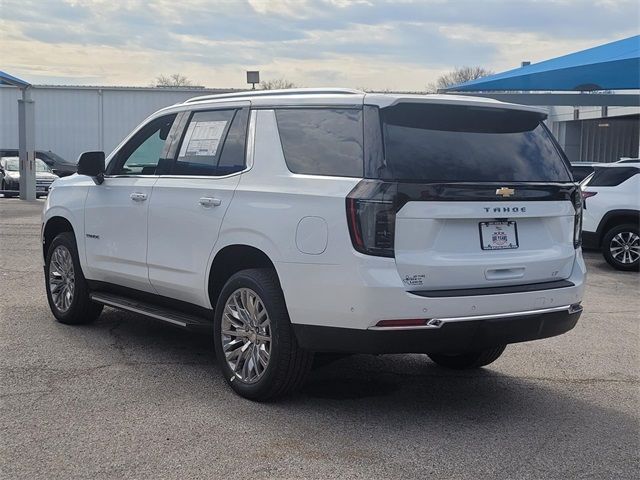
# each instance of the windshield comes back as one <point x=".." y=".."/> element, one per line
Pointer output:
<point x="41" y="166"/>
<point x="12" y="165"/>
<point x="446" y="143"/>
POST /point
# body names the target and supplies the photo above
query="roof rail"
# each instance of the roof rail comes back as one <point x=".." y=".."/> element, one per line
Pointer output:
<point x="267" y="93"/>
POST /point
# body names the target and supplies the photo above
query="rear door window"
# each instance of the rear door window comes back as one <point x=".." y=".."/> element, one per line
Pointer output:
<point x="232" y="158"/>
<point x="202" y="142"/>
<point x="322" y="141"/>
<point x="446" y="143"/>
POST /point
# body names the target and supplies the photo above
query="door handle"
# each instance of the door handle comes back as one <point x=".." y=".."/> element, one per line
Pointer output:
<point x="138" y="197"/>
<point x="209" y="202"/>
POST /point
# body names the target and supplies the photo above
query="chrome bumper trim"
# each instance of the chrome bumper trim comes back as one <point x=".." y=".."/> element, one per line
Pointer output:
<point x="434" y="323"/>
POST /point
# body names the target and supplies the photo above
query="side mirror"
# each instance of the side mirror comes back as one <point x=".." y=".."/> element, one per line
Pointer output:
<point x="92" y="165"/>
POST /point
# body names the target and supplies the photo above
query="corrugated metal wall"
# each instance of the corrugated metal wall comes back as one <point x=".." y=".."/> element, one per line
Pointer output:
<point x="71" y="120"/>
<point x="609" y="139"/>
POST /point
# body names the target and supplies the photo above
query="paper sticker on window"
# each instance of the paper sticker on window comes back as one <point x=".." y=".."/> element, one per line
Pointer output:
<point x="202" y="138"/>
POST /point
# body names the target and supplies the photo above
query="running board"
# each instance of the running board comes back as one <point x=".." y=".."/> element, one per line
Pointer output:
<point x="174" y="317"/>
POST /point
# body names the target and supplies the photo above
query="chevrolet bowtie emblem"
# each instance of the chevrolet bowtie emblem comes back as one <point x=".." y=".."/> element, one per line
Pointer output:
<point x="505" y="191"/>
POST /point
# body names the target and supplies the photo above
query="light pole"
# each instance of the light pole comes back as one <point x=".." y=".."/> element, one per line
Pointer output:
<point x="27" y="144"/>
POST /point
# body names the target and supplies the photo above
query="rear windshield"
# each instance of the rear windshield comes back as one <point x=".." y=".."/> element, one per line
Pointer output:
<point x="445" y="143"/>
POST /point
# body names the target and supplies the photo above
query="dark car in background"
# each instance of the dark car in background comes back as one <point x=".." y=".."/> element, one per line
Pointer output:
<point x="10" y="177"/>
<point x="56" y="163"/>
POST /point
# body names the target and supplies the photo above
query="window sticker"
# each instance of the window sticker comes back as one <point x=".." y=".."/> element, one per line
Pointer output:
<point x="202" y="138"/>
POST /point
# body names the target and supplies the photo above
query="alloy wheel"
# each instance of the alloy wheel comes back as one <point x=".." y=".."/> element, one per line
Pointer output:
<point x="246" y="335"/>
<point x="625" y="247"/>
<point x="62" y="278"/>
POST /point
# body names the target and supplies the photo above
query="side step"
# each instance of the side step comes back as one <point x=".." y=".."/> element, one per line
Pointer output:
<point x="174" y="317"/>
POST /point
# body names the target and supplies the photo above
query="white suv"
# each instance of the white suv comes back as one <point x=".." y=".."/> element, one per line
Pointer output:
<point x="302" y="221"/>
<point x="612" y="213"/>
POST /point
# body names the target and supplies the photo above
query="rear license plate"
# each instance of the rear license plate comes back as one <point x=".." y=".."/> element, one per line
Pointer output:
<point x="498" y="235"/>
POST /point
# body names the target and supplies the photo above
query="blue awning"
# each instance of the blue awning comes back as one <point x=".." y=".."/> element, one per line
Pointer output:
<point x="613" y="66"/>
<point x="6" y="79"/>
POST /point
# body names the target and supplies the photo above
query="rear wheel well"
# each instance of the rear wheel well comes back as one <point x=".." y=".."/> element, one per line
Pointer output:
<point x="54" y="227"/>
<point x="617" y="218"/>
<point x="232" y="259"/>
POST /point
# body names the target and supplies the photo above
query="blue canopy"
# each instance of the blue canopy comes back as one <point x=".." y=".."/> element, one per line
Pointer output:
<point x="6" y="79"/>
<point x="613" y="66"/>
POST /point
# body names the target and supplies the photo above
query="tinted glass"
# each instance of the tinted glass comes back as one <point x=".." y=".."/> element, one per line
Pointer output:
<point x="444" y="143"/>
<point x="232" y="158"/>
<point x="141" y="154"/>
<point x="611" y="176"/>
<point x="581" y="172"/>
<point x="322" y="141"/>
<point x="202" y="143"/>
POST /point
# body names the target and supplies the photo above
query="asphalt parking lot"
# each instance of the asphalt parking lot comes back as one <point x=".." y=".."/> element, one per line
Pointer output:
<point x="128" y="397"/>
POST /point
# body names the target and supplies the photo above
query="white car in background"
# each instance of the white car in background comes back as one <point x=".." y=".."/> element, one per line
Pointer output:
<point x="612" y="213"/>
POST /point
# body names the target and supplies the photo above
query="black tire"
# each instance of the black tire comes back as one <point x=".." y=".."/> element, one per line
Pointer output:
<point x="81" y="310"/>
<point x="288" y="364"/>
<point x="626" y="230"/>
<point x="464" y="361"/>
<point x="3" y="186"/>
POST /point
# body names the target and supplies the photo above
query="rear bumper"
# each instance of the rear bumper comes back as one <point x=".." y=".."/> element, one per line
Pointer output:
<point x="358" y="296"/>
<point x="458" y="334"/>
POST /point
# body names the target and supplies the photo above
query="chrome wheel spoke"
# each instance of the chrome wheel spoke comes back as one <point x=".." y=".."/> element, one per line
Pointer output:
<point x="246" y="335"/>
<point x="61" y="278"/>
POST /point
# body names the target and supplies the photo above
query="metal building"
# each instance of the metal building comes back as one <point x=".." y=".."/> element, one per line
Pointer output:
<point x="74" y="119"/>
<point x="597" y="134"/>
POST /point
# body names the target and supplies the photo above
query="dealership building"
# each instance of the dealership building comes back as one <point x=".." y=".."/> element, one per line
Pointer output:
<point x="72" y="119"/>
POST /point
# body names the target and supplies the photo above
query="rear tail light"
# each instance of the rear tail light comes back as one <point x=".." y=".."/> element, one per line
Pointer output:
<point x="371" y="215"/>
<point x="586" y="195"/>
<point x="576" y="197"/>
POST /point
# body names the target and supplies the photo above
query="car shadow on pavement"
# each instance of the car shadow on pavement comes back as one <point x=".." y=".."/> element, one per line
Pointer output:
<point x="348" y="377"/>
<point x="358" y="407"/>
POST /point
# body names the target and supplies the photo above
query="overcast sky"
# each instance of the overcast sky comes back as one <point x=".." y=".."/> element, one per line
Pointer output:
<point x="393" y="44"/>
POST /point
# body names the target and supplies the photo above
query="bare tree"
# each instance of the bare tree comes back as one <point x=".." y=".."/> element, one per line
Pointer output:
<point x="458" y="75"/>
<point x="277" y="84"/>
<point x="173" y="80"/>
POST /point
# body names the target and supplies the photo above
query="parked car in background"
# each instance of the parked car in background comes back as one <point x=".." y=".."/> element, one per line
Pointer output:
<point x="302" y="221"/>
<point x="612" y="213"/>
<point x="582" y="170"/>
<point x="56" y="163"/>
<point x="10" y="176"/>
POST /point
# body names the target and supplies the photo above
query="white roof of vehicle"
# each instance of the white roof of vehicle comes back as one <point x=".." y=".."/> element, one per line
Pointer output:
<point x="345" y="96"/>
<point x="618" y="164"/>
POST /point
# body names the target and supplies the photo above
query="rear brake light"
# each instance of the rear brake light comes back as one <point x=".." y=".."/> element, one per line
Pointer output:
<point x="586" y="195"/>
<point x="576" y="197"/>
<point x="371" y="216"/>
